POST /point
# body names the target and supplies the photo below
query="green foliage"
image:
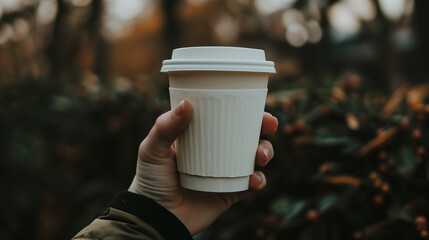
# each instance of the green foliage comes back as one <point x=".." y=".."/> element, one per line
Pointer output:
<point x="65" y="153"/>
<point x="350" y="163"/>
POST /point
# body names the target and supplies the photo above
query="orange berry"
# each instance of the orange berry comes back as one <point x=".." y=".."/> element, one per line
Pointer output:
<point x="424" y="234"/>
<point x="405" y="122"/>
<point x="313" y="215"/>
<point x="421" y="150"/>
<point x="373" y="175"/>
<point x="420" y="220"/>
<point x="382" y="155"/>
<point x="377" y="183"/>
<point x="378" y="199"/>
<point x="385" y="188"/>
<point x="420" y="223"/>
<point x="417" y="134"/>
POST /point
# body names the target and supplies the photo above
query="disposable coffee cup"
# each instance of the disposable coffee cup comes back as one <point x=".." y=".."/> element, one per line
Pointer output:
<point x="227" y="88"/>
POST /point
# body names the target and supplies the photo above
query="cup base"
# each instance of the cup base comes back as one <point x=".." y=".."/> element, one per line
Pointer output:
<point x="214" y="184"/>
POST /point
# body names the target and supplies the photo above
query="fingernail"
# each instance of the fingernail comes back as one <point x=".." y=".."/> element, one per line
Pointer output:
<point x="265" y="152"/>
<point x="259" y="179"/>
<point x="179" y="109"/>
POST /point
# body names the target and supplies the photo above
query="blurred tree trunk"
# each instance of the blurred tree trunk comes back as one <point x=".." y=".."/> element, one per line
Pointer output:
<point x="421" y="27"/>
<point x="56" y="47"/>
<point x="66" y="42"/>
<point x="382" y="67"/>
<point x="94" y="24"/>
<point x="171" y="29"/>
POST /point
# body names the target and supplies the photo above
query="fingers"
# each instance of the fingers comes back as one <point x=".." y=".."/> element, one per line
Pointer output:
<point x="168" y="127"/>
<point x="257" y="182"/>
<point x="264" y="153"/>
<point x="269" y="124"/>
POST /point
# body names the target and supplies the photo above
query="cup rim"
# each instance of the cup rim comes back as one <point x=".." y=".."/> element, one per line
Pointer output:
<point x="218" y="58"/>
<point x="217" y="65"/>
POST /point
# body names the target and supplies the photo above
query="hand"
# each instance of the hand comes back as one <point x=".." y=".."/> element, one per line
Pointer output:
<point x="157" y="178"/>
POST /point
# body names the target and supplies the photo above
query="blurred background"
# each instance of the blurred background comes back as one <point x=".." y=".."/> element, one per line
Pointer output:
<point x="80" y="88"/>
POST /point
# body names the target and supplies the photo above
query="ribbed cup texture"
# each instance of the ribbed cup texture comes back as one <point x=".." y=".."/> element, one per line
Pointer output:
<point x="222" y="137"/>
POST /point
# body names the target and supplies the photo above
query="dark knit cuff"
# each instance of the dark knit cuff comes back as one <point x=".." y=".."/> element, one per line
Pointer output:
<point x="150" y="212"/>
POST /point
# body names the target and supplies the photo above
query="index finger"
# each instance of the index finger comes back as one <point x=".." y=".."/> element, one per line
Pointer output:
<point x="269" y="124"/>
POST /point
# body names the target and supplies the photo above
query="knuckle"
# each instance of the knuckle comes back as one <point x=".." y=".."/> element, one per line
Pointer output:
<point x="160" y="129"/>
<point x="158" y="123"/>
<point x="142" y="148"/>
<point x="266" y="144"/>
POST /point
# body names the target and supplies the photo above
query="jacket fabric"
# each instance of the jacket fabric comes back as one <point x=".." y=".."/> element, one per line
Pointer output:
<point x="131" y="216"/>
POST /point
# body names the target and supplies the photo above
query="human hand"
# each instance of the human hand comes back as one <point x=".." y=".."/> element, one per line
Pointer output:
<point x="157" y="178"/>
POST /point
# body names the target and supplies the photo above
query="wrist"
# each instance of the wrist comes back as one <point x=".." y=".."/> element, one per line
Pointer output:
<point x="177" y="210"/>
<point x="152" y="213"/>
<point x="134" y="187"/>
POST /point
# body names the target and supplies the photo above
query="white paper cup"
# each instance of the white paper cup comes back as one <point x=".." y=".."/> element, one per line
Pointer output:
<point x="227" y="88"/>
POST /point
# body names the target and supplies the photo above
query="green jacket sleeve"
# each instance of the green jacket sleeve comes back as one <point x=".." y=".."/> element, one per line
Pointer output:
<point x="131" y="216"/>
<point x="117" y="224"/>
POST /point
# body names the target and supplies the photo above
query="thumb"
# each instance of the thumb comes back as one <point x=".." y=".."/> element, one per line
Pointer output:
<point x="167" y="128"/>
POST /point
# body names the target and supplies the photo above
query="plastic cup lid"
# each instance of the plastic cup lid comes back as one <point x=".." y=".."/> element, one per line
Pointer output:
<point x="218" y="59"/>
